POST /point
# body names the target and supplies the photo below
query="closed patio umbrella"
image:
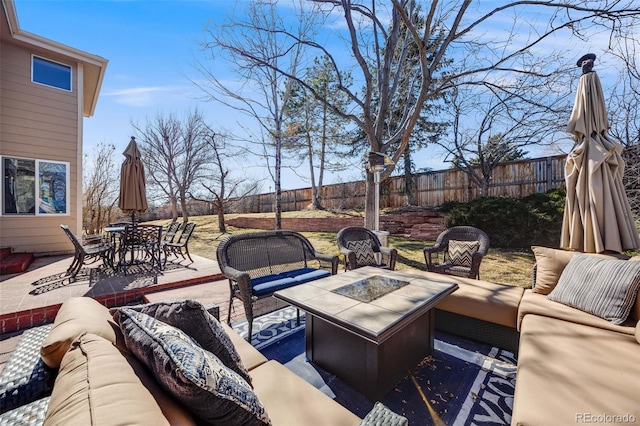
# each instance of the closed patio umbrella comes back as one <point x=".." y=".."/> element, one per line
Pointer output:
<point x="133" y="187"/>
<point x="597" y="215"/>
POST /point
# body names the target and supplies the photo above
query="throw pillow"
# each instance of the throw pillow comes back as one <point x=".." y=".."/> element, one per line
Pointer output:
<point x="75" y="317"/>
<point x="364" y="252"/>
<point x="550" y="263"/>
<point x="192" y="318"/>
<point x="603" y="287"/>
<point x="194" y="376"/>
<point x="635" y="310"/>
<point x="461" y="252"/>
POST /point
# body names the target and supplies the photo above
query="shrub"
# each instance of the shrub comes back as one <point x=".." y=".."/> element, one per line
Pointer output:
<point x="513" y="222"/>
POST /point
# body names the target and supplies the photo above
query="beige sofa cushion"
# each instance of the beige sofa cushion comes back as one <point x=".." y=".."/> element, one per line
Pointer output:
<point x="251" y="357"/>
<point x="484" y="300"/>
<point x="172" y="410"/>
<point x="77" y="316"/>
<point x="566" y="370"/>
<point x="637" y="333"/>
<point x="289" y="400"/>
<point x="97" y="386"/>
<point x="539" y="304"/>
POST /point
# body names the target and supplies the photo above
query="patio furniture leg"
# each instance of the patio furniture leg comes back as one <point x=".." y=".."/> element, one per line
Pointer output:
<point x="73" y="265"/>
<point x="231" y="296"/>
<point x="186" y="249"/>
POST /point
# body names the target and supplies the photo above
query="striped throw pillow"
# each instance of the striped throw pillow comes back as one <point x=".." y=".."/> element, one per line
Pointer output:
<point x="461" y="252"/>
<point x="603" y="287"/>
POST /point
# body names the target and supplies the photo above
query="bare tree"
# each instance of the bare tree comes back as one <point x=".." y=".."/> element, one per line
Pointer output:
<point x="624" y="115"/>
<point x="490" y="126"/>
<point x="99" y="188"/>
<point x="247" y="44"/>
<point x="219" y="186"/>
<point x="175" y="152"/>
<point x="452" y="28"/>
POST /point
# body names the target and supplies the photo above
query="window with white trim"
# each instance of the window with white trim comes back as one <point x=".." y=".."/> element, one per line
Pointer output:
<point x="34" y="187"/>
<point x="50" y="73"/>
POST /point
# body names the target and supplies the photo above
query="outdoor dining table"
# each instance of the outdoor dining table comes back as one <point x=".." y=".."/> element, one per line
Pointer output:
<point x="125" y="243"/>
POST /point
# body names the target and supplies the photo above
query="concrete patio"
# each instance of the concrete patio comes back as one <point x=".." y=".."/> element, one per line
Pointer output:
<point x="34" y="297"/>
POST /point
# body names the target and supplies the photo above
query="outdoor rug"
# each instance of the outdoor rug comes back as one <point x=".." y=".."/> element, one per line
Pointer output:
<point x="462" y="383"/>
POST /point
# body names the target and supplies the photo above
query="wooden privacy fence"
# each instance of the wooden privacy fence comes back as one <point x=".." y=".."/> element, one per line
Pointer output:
<point x="512" y="179"/>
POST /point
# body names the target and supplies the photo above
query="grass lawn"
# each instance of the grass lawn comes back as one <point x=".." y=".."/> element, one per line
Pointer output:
<point x="506" y="266"/>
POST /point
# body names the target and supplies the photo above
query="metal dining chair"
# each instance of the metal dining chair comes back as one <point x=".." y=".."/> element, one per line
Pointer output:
<point x="143" y="243"/>
<point x="86" y="254"/>
<point x="179" y="247"/>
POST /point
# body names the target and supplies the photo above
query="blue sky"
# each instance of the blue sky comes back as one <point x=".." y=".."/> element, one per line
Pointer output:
<point x="152" y="47"/>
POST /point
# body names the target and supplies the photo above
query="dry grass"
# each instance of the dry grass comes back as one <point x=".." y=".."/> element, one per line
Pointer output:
<point x="500" y="265"/>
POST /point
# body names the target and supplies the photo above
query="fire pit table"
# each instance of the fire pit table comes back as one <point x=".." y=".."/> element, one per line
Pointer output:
<point x="369" y="326"/>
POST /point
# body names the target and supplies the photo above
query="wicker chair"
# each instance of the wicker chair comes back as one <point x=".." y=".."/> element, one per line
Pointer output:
<point x="361" y="247"/>
<point x="467" y="261"/>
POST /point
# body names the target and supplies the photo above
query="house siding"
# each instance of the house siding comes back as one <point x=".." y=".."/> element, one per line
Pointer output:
<point x="38" y="122"/>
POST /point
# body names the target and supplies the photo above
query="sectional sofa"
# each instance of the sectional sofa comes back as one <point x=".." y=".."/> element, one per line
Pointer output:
<point x="573" y="366"/>
<point x="170" y="363"/>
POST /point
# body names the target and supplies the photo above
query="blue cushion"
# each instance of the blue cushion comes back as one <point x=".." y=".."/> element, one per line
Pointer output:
<point x="271" y="283"/>
<point x="304" y="275"/>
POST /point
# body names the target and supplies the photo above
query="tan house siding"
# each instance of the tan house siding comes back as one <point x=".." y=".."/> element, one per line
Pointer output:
<point x="39" y="122"/>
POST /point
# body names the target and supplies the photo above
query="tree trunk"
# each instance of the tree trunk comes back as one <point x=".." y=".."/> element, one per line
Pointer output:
<point x="278" y="187"/>
<point x="409" y="184"/>
<point x="183" y="206"/>
<point x="174" y="207"/>
<point x="220" y="212"/>
<point x="370" y="202"/>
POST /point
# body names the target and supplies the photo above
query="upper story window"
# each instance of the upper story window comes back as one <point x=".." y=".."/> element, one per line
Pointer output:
<point x="50" y="73"/>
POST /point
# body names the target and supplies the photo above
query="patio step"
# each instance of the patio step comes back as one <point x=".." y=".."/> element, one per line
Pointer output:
<point x="15" y="263"/>
<point x="4" y="252"/>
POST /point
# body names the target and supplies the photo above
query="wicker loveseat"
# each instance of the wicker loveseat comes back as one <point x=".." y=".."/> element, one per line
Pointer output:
<point x="259" y="263"/>
<point x="106" y="370"/>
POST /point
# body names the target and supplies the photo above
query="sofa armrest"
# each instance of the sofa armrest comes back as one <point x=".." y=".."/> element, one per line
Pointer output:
<point x="381" y="415"/>
<point x="330" y="259"/>
<point x="428" y="251"/>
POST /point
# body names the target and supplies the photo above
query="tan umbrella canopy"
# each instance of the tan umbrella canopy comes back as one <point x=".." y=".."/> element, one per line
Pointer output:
<point x="597" y="215"/>
<point x="133" y="187"/>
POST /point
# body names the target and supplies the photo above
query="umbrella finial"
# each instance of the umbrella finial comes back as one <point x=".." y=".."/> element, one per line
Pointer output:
<point x="586" y="62"/>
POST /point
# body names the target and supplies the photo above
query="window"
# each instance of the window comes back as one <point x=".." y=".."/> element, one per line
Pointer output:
<point x="34" y="183"/>
<point x="50" y="73"/>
